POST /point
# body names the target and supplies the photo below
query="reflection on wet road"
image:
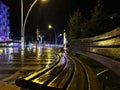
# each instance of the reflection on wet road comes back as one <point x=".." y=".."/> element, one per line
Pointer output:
<point x="15" y="63"/>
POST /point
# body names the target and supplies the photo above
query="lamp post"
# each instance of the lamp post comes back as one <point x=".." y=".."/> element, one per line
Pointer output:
<point x="51" y="27"/>
<point x="23" y="24"/>
<point x="64" y="40"/>
<point x="57" y="38"/>
<point x="22" y="31"/>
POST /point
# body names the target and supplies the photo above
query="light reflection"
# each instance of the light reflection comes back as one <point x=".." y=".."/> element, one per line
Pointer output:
<point x="34" y="50"/>
<point x="6" y="53"/>
<point x="1" y="51"/>
<point x="22" y="60"/>
<point x="10" y="51"/>
<point x="42" y="80"/>
<point x="93" y="49"/>
<point x="49" y="52"/>
<point x="108" y="42"/>
<point x="22" y="53"/>
<point x="29" y="49"/>
<point x="9" y="54"/>
<point x="47" y="65"/>
<point x="38" y="53"/>
<point x="34" y="74"/>
<point x="49" y="55"/>
<point x="16" y="50"/>
<point x="41" y="51"/>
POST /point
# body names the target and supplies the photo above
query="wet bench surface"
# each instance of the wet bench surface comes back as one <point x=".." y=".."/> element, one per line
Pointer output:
<point x="55" y="76"/>
<point x="70" y="73"/>
<point x="67" y="73"/>
<point x="104" y="49"/>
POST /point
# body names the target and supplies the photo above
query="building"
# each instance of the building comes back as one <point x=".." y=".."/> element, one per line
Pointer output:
<point x="4" y="22"/>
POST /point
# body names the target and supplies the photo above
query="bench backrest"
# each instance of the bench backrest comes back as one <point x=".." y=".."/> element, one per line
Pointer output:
<point x="104" y="48"/>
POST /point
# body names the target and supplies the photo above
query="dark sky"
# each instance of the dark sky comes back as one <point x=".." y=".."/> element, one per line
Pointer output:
<point x="55" y="12"/>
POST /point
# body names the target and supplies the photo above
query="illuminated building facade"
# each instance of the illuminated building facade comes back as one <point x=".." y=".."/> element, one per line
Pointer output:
<point x="4" y="22"/>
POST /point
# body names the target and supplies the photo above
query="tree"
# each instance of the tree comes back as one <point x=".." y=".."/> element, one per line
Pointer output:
<point x="94" y="26"/>
<point x="79" y="27"/>
<point x="74" y="25"/>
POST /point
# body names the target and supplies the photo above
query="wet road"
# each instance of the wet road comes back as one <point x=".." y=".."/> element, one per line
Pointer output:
<point x="15" y="63"/>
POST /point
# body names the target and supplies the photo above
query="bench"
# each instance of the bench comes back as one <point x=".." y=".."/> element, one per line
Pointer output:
<point x="70" y="73"/>
<point x="54" y="77"/>
<point x="66" y="74"/>
<point x="104" y="48"/>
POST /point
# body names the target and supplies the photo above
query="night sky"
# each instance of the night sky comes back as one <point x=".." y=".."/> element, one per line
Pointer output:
<point x="55" y="12"/>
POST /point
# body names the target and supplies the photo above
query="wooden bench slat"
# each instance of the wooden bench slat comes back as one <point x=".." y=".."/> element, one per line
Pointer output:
<point x="106" y="35"/>
<point x="108" y="62"/>
<point x="94" y="83"/>
<point x="24" y="81"/>
<point x="108" y="52"/>
<point x="78" y="80"/>
<point x="62" y="80"/>
<point x="44" y="78"/>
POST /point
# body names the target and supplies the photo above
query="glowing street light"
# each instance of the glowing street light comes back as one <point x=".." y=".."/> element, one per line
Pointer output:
<point x="23" y="24"/>
<point x="51" y="27"/>
<point x="57" y="38"/>
<point x="44" y="0"/>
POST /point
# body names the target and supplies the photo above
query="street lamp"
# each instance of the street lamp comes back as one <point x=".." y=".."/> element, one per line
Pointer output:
<point x="57" y="38"/>
<point x="64" y="40"/>
<point x="51" y="27"/>
<point x="23" y="24"/>
<point x="41" y="38"/>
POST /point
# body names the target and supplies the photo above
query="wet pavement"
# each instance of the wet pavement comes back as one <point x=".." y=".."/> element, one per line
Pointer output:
<point x="15" y="63"/>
